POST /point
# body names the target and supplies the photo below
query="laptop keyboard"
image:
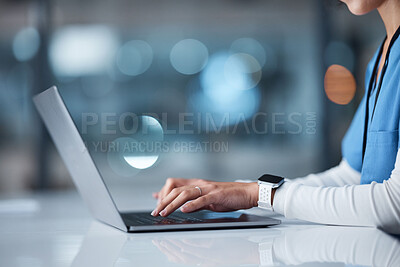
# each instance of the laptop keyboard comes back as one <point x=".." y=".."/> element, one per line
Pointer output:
<point x="147" y="219"/>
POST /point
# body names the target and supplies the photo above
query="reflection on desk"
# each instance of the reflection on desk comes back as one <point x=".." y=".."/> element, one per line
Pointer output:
<point x="104" y="246"/>
<point x="60" y="232"/>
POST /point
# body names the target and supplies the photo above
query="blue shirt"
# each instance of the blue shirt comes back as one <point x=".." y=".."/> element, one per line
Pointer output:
<point x="382" y="140"/>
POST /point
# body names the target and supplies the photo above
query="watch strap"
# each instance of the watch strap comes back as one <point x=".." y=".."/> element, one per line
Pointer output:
<point x="265" y="196"/>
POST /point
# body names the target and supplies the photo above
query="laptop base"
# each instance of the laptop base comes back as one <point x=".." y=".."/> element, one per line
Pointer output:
<point x="201" y="220"/>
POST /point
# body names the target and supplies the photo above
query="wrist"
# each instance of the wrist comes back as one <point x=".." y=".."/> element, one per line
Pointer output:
<point x="253" y="193"/>
<point x="267" y="187"/>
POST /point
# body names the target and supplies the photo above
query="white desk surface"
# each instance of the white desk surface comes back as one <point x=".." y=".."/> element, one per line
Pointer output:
<point x="55" y="229"/>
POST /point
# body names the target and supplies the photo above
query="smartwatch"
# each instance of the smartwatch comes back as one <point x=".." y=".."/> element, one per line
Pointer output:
<point x="266" y="183"/>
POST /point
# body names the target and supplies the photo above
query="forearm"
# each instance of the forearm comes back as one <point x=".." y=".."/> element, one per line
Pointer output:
<point x="340" y="175"/>
<point x="374" y="205"/>
<point x="337" y="176"/>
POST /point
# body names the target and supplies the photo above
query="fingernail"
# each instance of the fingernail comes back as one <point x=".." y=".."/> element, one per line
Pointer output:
<point x="183" y="208"/>
<point x="163" y="212"/>
<point x="154" y="213"/>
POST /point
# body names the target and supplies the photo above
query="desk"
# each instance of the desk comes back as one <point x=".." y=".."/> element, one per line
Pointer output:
<point x="57" y="230"/>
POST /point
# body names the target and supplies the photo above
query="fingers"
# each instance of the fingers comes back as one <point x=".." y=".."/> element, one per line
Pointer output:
<point x="177" y="192"/>
<point x="167" y="188"/>
<point x="174" y="200"/>
<point x="172" y="183"/>
<point x="182" y="198"/>
<point x="199" y="203"/>
<point x="165" y="201"/>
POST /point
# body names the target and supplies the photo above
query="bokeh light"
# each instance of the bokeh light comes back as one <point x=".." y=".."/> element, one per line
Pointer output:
<point x="189" y="56"/>
<point x="141" y="162"/>
<point x="242" y="71"/>
<point x="213" y="81"/>
<point x="134" y="57"/>
<point x="250" y="46"/>
<point x="149" y="134"/>
<point x="340" y="85"/>
<point x="26" y="44"/>
<point x="82" y="50"/>
<point x="150" y="129"/>
<point x="223" y="112"/>
<point x="226" y="75"/>
<point x="227" y="87"/>
<point x="116" y="160"/>
<point x="138" y="151"/>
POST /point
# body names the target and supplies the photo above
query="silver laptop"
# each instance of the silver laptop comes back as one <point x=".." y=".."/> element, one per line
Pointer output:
<point x="93" y="190"/>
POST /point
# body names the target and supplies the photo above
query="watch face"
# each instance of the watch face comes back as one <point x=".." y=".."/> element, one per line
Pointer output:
<point x="268" y="178"/>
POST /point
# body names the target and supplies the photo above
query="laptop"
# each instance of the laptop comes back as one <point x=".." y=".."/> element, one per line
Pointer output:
<point x="95" y="194"/>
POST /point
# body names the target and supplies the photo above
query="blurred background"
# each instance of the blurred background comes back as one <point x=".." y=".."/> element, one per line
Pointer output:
<point x="162" y="59"/>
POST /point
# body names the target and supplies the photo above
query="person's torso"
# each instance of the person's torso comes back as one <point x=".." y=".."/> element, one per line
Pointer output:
<point x="382" y="140"/>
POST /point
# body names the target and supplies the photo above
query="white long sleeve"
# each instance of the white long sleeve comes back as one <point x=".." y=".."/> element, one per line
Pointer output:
<point x="340" y="175"/>
<point x="376" y="205"/>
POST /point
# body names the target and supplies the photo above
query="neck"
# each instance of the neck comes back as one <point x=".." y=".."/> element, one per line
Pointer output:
<point x="390" y="14"/>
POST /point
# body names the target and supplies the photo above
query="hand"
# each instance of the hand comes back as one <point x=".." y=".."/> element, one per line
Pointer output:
<point x="172" y="183"/>
<point x="214" y="196"/>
